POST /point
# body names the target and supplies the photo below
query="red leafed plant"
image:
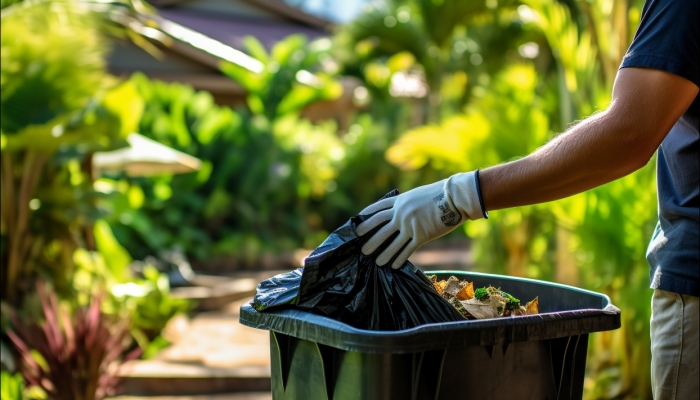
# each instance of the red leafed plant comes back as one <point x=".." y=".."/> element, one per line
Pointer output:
<point x="77" y="351"/>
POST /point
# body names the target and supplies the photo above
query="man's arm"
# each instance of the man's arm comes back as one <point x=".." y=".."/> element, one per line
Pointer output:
<point x="646" y="103"/>
<point x="609" y="145"/>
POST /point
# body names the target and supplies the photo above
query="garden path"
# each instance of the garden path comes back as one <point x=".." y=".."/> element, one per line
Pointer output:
<point x="211" y="353"/>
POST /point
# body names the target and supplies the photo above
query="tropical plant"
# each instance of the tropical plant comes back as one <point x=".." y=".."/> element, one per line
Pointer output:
<point x="442" y="37"/>
<point x="254" y="190"/>
<point x="69" y="357"/>
<point x="58" y="106"/>
<point x="149" y="304"/>
<point x="292" y="77"/>
<point x="145" y="302"/>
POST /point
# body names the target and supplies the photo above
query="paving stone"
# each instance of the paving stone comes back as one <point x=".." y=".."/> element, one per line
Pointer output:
<point x="219" y="292"/>
<point x="214" y="353"/>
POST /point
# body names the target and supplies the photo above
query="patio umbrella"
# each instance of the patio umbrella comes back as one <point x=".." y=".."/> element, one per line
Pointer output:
<point x="144" y="157"/>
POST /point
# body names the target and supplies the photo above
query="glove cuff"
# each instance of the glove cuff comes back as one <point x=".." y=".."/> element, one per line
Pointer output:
<point x="463" y="190"/>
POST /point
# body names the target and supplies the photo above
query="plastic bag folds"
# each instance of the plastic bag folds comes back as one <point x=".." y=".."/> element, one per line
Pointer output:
<point x="341" y="283"/>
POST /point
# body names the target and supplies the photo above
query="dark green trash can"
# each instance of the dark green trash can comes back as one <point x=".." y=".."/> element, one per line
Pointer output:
<point x="527" y="357"/>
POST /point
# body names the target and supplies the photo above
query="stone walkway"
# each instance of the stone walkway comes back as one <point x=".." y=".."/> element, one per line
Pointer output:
<point x="216" y="339"/>
<point x="212" y="353"/>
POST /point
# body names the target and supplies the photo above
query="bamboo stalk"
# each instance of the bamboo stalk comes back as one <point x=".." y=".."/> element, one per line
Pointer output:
<point x="31" y="173"/>
<point x="38" y="170"/>
<point x="16" y="236"/>
<point x="8" y="192"/>
<point x="8" y="208"/>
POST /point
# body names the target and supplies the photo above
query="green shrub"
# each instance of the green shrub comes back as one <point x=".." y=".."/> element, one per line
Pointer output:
<point x="11" y="386"/>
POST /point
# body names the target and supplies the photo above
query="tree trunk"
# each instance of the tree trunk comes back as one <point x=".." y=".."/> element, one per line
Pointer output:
<point x="17" y="215"/>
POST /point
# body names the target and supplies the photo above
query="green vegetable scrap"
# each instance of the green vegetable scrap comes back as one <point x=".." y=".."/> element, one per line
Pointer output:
<point x="513" y="303"/>
<point x="481" y="294"/>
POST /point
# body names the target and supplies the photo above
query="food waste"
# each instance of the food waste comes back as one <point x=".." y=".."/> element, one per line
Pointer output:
<point x="486" y="302"/>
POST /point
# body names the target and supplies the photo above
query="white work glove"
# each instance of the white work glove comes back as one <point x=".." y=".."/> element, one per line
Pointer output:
<point x="421" y="215"/>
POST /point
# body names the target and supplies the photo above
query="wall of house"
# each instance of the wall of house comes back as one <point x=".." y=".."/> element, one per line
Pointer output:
<point x="230" y="8"/>
<point x="169" y="66"/>
<point x="126" y="56"/>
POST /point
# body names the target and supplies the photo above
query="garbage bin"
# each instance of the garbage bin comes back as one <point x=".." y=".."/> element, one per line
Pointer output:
<point x="526" y="357"/>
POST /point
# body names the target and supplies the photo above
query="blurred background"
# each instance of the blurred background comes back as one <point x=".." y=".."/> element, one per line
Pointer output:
<point x="159" y="159"/>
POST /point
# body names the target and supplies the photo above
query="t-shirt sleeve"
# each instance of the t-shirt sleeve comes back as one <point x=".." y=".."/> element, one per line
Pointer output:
<point x="668" y="39"/>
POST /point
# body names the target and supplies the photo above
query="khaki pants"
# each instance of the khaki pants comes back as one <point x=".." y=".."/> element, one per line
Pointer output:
<point x="674" y="346"/>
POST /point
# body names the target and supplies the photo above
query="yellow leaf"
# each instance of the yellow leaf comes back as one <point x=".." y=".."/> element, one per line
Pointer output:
<point x="400" y="61"/>
<point x="125" y="102"/>
<point x="467" y="292"/>
<point x="136" y="196"/>
<point x="456" y="145"/>
<point x="532" y="307"/>
<point x="440" y="286"/>
<point x="116" y="257"/>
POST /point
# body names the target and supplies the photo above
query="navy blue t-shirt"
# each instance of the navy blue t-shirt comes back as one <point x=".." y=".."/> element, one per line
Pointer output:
<point x="668" y="39"/>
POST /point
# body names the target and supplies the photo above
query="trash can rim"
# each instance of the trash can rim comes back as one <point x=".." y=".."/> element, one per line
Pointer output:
<point x="320" y="329"/>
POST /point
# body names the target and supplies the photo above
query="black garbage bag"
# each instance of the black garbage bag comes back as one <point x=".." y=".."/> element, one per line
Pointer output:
<point x="339" y="282"/>
<point x="282" y="289"/>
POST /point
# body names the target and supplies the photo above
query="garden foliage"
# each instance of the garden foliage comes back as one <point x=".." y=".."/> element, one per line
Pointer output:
<point x="68" y="357"/>
<point x="252" y="194"/>
<point x="58" y="107"/>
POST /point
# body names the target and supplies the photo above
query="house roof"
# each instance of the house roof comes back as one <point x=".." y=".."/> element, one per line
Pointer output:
<point x="231" y="30"/>
<point x="277" y="7"/>
<point x="203" y="48"/>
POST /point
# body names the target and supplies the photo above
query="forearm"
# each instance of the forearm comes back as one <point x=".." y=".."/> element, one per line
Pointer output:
<point x="592" y="153"/>
<point x="607" y="146"/>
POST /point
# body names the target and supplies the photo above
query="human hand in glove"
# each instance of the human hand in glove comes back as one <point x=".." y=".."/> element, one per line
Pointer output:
<point x="421" y="215"/>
